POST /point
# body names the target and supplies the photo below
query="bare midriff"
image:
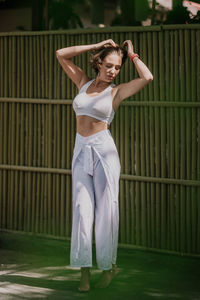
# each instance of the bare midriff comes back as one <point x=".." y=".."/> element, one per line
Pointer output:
<point x="87" y="125"/>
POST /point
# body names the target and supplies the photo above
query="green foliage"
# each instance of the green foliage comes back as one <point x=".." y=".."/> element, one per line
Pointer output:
<point x="178" y="15"/>
<point x="62" y="14"/>
<point x="133" y="12"/>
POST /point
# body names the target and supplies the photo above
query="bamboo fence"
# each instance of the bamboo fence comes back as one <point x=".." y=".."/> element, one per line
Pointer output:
<point x="157" y="133"/>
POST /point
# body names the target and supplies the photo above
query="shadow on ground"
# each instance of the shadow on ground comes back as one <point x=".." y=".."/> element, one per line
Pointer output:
<point x="38" y="268"/>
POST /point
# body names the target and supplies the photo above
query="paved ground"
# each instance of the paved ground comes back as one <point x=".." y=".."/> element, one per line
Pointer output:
<point x="38" y="268"/>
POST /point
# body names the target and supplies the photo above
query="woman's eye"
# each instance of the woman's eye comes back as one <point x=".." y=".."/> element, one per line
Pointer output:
<point x="110" y="66"/>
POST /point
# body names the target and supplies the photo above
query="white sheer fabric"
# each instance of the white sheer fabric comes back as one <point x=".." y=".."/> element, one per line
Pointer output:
<point x="95" y="176"/>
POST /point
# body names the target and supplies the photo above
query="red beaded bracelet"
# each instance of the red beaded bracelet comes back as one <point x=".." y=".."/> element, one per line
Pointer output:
<point x="133" y="56"/>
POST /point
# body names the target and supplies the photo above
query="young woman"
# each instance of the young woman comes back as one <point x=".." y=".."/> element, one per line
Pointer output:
<point x="95" y="163"/>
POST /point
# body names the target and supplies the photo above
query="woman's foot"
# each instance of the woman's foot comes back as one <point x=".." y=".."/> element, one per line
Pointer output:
<point x="106" y="277"/>
<point x="85" y="280"/>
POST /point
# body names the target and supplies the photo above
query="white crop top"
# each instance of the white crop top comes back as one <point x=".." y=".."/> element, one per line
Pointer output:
<point x="99" y="107"/>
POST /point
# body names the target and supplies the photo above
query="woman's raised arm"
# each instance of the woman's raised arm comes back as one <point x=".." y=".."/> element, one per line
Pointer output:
<point x="126" y="90"/>
<point x="76" y="74"/>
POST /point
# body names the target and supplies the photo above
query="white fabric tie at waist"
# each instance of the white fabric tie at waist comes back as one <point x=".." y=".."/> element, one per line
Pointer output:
<point x="88" y="160"/>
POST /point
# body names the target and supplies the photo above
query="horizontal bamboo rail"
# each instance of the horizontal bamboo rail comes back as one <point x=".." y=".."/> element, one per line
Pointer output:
<point x="125" y="103"/>
<point x="117" y="29"/>
<point x="122" y="176"/>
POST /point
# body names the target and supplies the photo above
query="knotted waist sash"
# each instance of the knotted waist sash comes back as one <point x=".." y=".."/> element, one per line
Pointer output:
<point x="102" y="143"/>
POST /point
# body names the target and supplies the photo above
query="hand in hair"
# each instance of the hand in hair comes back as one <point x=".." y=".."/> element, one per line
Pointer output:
<point x="104" y="44"/>
<point x="130" y="50"/>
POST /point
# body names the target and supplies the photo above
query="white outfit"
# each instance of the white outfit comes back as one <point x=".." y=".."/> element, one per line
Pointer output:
<point x="98" y="107"/>
<point x="95" y="187"/>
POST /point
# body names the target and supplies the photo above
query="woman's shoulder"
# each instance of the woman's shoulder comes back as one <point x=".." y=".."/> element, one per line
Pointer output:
<point x="85" y="84"/>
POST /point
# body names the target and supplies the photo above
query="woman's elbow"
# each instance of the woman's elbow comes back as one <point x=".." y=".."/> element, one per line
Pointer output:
<point x="149" y="78"/>
<point x="57" y="53"/>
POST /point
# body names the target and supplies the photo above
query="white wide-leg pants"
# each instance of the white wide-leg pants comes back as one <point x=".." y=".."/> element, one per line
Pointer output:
<point x="95" y="187"/>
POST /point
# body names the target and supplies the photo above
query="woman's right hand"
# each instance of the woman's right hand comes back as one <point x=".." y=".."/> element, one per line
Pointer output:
<point x="106" y="43"/>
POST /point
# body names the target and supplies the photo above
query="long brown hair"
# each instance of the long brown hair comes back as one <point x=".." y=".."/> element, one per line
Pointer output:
<point x="99" y="55"/>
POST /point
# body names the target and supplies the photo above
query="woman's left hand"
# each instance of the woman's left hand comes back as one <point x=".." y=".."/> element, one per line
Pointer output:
<point x="129" y="45"/>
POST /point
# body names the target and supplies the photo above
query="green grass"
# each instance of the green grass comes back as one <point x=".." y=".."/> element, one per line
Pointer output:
<point x="38" y="268"/>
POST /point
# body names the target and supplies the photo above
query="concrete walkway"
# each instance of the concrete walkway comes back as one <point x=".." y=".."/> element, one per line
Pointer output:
<point x="38" y="268"/>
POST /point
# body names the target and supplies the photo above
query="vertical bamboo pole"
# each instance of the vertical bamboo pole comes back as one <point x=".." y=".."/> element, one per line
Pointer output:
<point x="17" y="143"/>
<point x="183" y="144"/>
<point x="143" y="187"/>
<point x="11" y="173"/>
<point x="194" y="207"/>
<point x="5" y="60"/>
<point x="28" y="66"/>
<point x="147" y="145"/>
<point x="66" y="132"/>
<point x="198" y="171"/>
<point x="41" y="43"/>
<point x="66" y="161"/>
<point x="54" y="134"/>
<point x="21" y="174"/>
<point x="167" y="78"/>
<point x="126" y="169"/>
<point x="58" y="194"/>
<point x="38" y="199"/>
<point x="31" y="213"/>
<point x="38" y="60"/>
<point x="50" y="126"/>
<point x="127" y="161"/>
<point x="56" y="177"/>
<point x="42" y="225"/>
<point x="25" y="211"/>
<point x="18" y="201"/>
<point x="39" y="143"/>
<point x="69" y="137"/>
<point x="18" y="89"/>
<point x="188" y="137"/>
<point x="143" y="161"/>
<point x="163" y="215"/>
<point x="9" y="213"/>
<point x="16" y="162"/>
<point x="157" y="138"/>
<point x="151" y="144"/>
<point x="122" y="158"/>
<point x="29" y="123"/>
<point x="138" y="172"/>
<point x="54" y="165"/>
<point x="22" y="67"/>
<point x="65" y="82"/>
<point x="2" y="212"/>
<point x="58" y="206"/>
<point x="13" y="137"/>
<point x="43" y="162"/>
<point x="31" y="92"/>
<point x="171" y="148"/>
<point x="34" y="163"/>
<point x="177" y="137"/>
<point x="1" y="65"/>
<point x="198" y="145"/>
<point x="3" y="54"/>
<point x="46" y="64"/>
<point x="132" y="141"/>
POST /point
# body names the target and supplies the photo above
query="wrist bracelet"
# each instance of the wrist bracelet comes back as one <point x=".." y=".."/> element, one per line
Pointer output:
<point x="133" y="56"/>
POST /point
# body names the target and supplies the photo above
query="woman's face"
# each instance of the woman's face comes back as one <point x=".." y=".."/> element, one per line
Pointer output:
<point x="110" y="67"/>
